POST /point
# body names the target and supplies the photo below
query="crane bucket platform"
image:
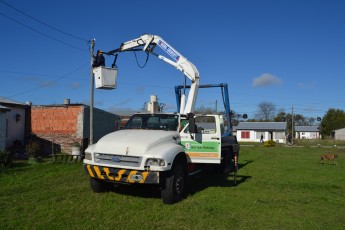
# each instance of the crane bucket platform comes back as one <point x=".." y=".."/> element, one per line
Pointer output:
<point x="105" y="77"/>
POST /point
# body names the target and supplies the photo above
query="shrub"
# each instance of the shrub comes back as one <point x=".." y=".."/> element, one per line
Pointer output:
<point x="6" y="158"/>
<point x="33" y="149"/>
<point x="270" y="143"/>
<point x="76" y="144"/>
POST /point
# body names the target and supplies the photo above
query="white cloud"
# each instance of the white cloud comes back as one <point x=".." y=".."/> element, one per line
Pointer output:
<point x="265" y="80"/>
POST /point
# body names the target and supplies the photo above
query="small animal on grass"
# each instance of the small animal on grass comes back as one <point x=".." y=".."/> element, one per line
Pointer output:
<point x="328" y="157"/>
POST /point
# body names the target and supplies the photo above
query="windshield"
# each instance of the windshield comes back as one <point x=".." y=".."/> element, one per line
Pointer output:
<point x="168" y="122"/>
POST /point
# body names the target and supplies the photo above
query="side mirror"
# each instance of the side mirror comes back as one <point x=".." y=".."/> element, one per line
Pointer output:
<point x="192" y="127"/>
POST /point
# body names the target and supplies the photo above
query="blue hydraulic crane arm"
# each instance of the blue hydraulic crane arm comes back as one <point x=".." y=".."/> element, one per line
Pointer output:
<point x="225" y="96"/>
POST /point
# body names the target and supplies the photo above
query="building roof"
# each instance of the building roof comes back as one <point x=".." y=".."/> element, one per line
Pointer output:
<point x="339" y="130"/>
<point x="3" y="108"/>
<point x="268" y="126"/>
<point x="312" y="128"/>
<point x="4" y="100"/>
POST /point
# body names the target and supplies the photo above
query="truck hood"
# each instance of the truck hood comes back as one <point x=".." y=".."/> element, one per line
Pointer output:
<point x="133" y="142"/>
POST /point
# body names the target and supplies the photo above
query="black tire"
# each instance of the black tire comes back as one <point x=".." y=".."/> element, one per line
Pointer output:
<point x="224" y="165"/>
<point x="99" y="186"/>
<point x="175" y="184"/>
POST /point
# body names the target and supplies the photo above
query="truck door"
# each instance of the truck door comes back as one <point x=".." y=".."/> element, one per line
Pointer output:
<point x="205" y="145"/>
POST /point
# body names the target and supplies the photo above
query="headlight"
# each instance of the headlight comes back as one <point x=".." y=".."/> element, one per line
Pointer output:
<point x="155" y="162"/>
<point x="88" y="156"/>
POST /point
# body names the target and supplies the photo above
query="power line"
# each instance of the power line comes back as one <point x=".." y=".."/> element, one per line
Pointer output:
<point x="38" y="74"/>
<point x="49" y="82"/>
<point x="43" y="23"/>
<point x="43" y="34"/>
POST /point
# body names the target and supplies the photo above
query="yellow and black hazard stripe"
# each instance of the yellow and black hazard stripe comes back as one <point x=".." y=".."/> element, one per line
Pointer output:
<point x="121" y="175"/>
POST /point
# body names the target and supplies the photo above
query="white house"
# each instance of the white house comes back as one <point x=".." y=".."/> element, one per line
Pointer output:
<point x="252" y="131"/>
<point x="3" y="126"/>
<point x="307" y="132"/>
<point x="13" y="124"/>
<point x="339" y="134"/>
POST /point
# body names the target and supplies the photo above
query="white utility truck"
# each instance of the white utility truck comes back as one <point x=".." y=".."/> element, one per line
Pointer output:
<point x="164" y="148"/>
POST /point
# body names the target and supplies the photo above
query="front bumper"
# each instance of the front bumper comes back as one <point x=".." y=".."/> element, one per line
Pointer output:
<point x="121" y="175"/>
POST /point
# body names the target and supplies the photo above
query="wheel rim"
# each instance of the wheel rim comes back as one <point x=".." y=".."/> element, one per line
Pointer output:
<point x="179" y="185"/>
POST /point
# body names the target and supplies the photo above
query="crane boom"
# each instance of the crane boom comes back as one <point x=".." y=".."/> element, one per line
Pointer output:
<point x="148" y="43"/>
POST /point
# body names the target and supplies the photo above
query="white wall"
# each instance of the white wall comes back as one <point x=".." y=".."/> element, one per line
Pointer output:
<point x="2" y="130"/>
<point x="339" y="134"/>
<point x="254" y="136"/>
<point x="16" y="130"/>
<point x="307" y="135"/>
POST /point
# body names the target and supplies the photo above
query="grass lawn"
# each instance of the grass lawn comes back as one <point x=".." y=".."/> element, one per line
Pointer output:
<point x="278" y="188"/>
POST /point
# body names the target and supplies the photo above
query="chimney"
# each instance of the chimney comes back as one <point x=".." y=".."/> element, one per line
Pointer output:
<point x="152" y="106"/>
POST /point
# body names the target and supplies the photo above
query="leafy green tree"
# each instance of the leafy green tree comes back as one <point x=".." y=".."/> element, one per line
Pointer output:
<point x="333" y="119"/>
<point x="281" y="116"/>
<point x="298" y="119"/>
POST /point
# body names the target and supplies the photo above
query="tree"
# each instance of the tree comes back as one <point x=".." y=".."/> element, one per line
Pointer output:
<point x="333" y="119"/>
<point x="298" y="119"/>
<point x="311" y="121"/>
<point x="236" y="117"/>
<point x="144" y="107"/>
<point x="204" y="110"/>
<point x="266" y="111"/>
<point x="161" y="107"/>
<point x="281" y="116"/>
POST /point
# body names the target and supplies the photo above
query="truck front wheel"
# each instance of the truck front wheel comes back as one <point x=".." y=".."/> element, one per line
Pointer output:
<point x="99" y="186"/>
<point x="175" y="184"/>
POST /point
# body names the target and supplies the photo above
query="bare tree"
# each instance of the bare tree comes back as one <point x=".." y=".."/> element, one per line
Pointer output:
<point x="266" y="111"/>
<point x="144" y="107"/>
<point x="161" y="107"/>
<point x="204" y="110"/>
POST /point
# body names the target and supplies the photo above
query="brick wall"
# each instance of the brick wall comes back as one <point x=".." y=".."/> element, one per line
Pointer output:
<point x="55" y="120"/>
<point x="57" y="126"/>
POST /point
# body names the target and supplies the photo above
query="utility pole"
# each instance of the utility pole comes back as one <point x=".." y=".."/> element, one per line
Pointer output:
<point x="216" y="106"/>
<point x="92" y="83"/>
<point x="292" y="128"/>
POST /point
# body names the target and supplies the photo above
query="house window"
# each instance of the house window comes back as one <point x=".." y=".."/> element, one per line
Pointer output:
<point x="245" y="134"/>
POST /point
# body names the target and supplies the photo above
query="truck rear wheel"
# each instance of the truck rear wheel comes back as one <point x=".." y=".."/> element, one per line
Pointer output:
<point x="175" y="184"/>
<point x="99" y="186"/>
<point x="224" y="166"/>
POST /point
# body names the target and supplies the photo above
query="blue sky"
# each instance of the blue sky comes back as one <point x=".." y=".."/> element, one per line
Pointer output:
<point x="287" y="52"/>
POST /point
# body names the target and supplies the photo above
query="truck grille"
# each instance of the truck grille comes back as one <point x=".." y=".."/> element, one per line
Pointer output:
<point x="118" y="160"/>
